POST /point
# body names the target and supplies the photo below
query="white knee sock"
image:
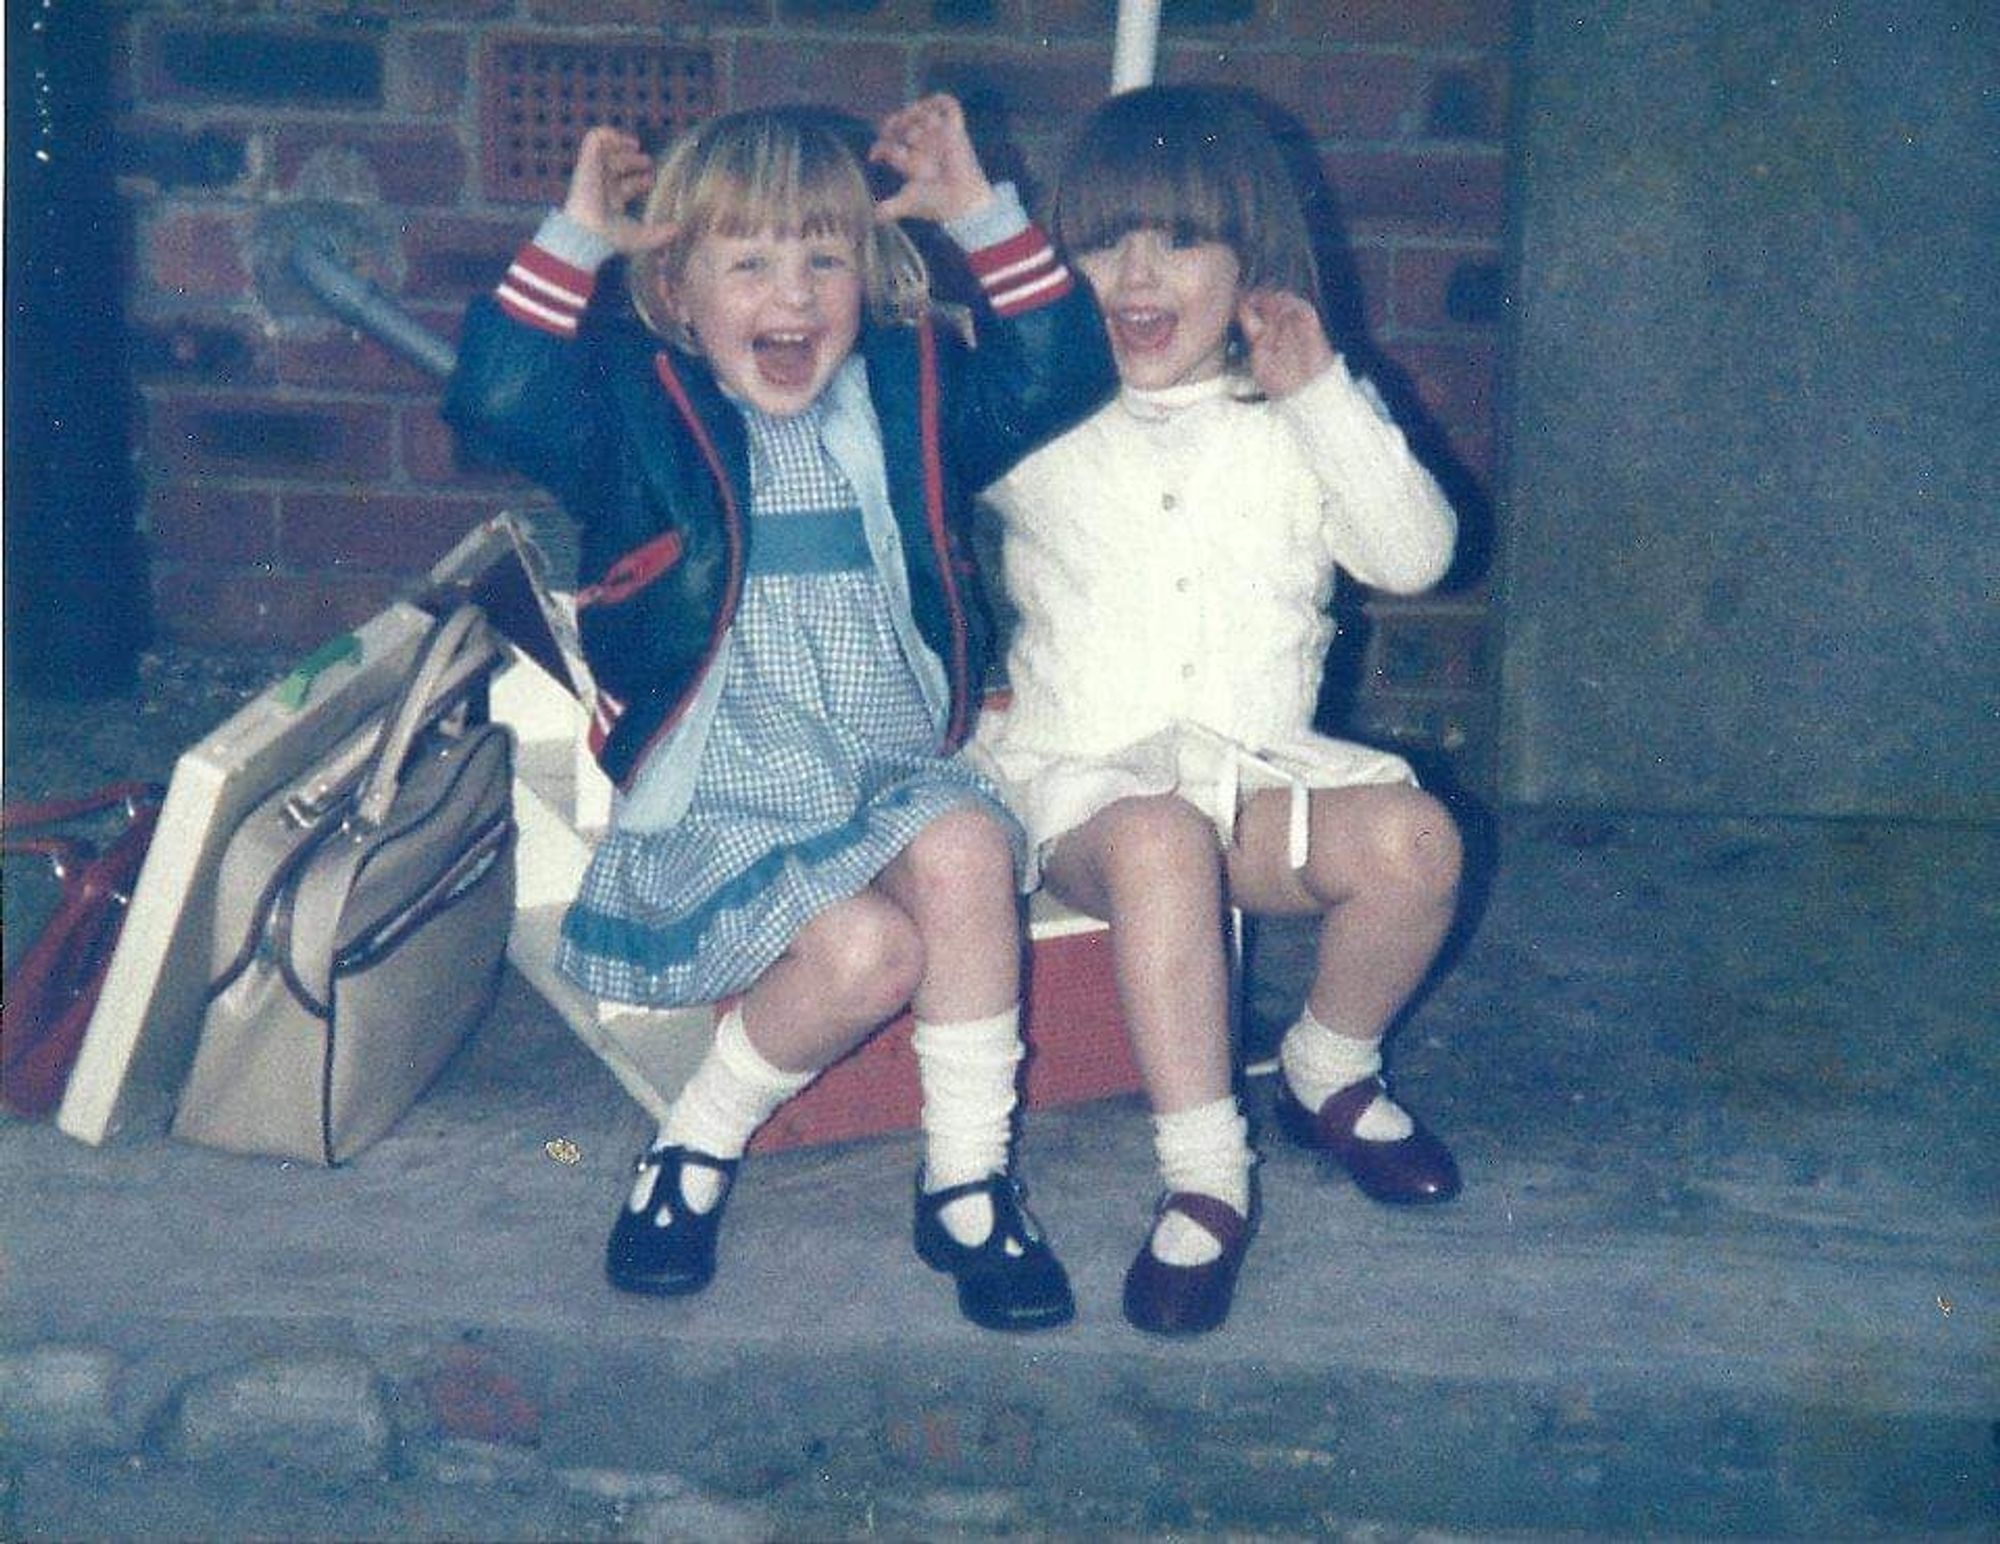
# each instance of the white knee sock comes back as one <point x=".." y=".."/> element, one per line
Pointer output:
<point x="1206" y="1150"/>
<point x="732" y="1093"/>
<point x="967" y="1071"/>
<point x="1318" y="1063"/>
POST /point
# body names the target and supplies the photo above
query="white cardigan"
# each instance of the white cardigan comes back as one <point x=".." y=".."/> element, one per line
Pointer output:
<point x="1172" y="559"/>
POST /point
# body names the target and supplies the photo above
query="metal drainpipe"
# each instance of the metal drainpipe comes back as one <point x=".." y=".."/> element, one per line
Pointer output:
<point x="362" y="304"/>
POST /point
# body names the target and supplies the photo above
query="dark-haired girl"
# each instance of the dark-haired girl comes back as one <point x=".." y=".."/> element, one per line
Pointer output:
<point x="1172" y="559"/>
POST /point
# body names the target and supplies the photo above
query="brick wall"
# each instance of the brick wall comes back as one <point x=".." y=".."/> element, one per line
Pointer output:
<point x="296" y="473"/>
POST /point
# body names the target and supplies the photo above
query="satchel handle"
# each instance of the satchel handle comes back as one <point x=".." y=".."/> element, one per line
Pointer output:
<point x="457" y="653"/>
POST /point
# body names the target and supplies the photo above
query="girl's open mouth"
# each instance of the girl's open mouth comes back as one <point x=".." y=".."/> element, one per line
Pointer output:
<point x="786" y="360"/>
<point x="1143" y="330"/>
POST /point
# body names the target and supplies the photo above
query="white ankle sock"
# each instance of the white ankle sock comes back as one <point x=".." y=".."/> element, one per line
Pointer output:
<point x="732" y="1093"/>
<point x="1318" y="1063"/>
<point x="1206" y="1150"/>
<point x="967" y="1072"/>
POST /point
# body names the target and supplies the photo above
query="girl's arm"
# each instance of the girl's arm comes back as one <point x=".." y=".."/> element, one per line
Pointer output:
<point x="521" y="393"/>
<point x="1387" y="521"/>
<point x="1042" y="361"/>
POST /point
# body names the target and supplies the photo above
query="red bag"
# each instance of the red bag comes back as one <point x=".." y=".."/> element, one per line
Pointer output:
<point x="50" y="992"/>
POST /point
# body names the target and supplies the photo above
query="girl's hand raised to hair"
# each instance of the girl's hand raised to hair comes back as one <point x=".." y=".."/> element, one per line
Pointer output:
<point x="927" y="144"/>
<point x="611" y="174"/>
<point x="1288" y="345"/>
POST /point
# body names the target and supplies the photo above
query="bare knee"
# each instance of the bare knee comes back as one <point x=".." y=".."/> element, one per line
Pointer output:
<point x="867" y="957"/>
<point x="1417" y="846"/>
<point x="1154" y="840"/>
<point x="958" y="860"/>
<point x="1400" y="842"/>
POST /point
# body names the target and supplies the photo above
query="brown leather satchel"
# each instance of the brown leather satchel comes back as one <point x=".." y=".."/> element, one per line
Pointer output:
<point x="52" y="988"/>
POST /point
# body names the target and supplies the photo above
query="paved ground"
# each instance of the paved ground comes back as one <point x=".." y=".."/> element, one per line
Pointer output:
<point x="1726" y="1264"/>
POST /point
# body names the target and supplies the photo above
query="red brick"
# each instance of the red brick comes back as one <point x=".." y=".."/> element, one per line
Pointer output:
<point x="1423" y="282"/>
<point x="474" y="1397"/>
<point x="1455" y="382"/>
<point x="155" y="157"/>
<point x="261" y="608"/>
<point x="430" y="455"/>
<point x="540" y="91"/>
<point x="441" y="10"/>
<point x="196" y="254"/>
<point x="1438" y="193"/>
<point x="428" y="72"/>
<point x="357" y="160"/>
<point x="1093" y="21"/>
<point x="198" y="523"/>
<point x="368" y="530"/>
<point x="239" y="435"/>
<point x="1410" y="23"/>
<point x="342" y="358"/>
<point x="900" y="17"/>
<point x="1070" y="20"/>
<point x="1000" y="18"/>
<point x="1046" y="89"/>
<point x="1333" y="96"/>
<point x="454" y="257"/>
<point x="198" y="350"/>
<point x="189" y="59"/>
<point x="865" y="78"/>
<point x="1468" y="101"/>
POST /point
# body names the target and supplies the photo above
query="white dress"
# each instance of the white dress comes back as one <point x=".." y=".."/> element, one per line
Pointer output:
<point x="1172" y="559"/>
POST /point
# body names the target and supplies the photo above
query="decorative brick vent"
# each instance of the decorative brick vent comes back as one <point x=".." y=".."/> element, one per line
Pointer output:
<point x="537" y="97"/>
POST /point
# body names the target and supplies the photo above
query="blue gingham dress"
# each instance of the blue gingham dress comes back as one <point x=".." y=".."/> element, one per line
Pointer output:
<point x="821" y="767"/>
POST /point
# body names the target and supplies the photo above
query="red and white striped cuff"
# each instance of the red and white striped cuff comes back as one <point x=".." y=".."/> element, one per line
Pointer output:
<point x="1020" y="273"/>
<point x="543" y="291"/>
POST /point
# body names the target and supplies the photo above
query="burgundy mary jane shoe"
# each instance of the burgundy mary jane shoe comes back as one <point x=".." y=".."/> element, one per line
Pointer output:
<point x="1415" y="1171"/>
<point x="1164" y="1299"/>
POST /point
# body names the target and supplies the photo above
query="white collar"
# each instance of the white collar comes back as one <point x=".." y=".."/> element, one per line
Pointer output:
<point x="1169" y="401"/>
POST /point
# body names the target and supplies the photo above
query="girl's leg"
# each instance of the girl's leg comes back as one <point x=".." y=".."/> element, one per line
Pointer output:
<point x="1149" y="866"/>
<point x="955" y="882"/>
<point x="849" y="968"/>
<point x="1382" y="870"/>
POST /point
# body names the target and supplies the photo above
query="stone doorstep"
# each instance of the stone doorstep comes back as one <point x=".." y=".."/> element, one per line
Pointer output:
<point x="1140" y="1438"/>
